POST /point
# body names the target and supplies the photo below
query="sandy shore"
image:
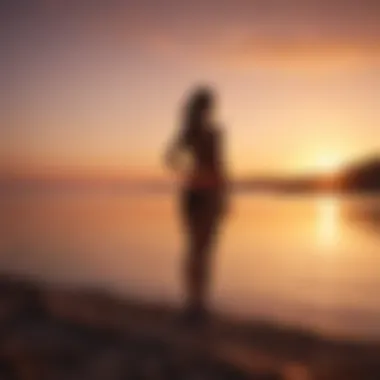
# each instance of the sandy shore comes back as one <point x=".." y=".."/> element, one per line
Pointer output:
<point x="59" y="333"/>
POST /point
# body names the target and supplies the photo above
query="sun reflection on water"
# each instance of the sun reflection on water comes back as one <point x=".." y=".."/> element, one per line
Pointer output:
<point x="328" y="211"/>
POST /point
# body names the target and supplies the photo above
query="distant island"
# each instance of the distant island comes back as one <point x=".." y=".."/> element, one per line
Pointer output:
<point x="363" y="176"/>
<point x="359" y="177"/>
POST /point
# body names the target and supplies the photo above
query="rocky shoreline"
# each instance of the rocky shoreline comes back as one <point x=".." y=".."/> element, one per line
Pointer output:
<point x="58" y="333"/>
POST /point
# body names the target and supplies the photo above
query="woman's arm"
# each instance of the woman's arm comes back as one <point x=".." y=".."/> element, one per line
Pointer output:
<point x="172" y="157"/>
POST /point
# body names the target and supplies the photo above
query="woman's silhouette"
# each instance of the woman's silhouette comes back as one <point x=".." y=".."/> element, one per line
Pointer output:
<point x="203" y="195"/>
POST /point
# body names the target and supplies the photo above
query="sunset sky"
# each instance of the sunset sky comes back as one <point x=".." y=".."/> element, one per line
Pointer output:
<point x="97" y="86"/>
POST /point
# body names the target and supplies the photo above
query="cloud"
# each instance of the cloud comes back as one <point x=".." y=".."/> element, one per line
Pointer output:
<point x="254" y="50"/>
<point x="317" y="53"/>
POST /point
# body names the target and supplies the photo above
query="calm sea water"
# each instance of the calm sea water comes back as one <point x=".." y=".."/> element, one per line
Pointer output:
<point x="308" y="261"/>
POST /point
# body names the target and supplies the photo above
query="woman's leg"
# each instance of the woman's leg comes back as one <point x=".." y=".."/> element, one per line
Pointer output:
<point x="202" y="228"/>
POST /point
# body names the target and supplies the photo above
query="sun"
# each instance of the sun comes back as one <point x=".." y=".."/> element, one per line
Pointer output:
<point x="328" y="163"/>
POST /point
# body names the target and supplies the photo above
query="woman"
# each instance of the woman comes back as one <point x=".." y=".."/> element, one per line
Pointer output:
<point x="203" y="194"/>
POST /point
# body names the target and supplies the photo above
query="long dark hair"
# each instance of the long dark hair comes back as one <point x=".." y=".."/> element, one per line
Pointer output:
<point x="198" y="104"/>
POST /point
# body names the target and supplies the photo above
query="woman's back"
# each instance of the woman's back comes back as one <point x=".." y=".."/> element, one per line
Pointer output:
<point x="205" y="149"/>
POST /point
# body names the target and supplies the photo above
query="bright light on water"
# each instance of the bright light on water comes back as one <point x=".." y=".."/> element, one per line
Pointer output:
<point x="328" y="222"/>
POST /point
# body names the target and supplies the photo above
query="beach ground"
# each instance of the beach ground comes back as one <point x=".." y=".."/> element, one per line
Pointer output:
<point x="50" y="332"/>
